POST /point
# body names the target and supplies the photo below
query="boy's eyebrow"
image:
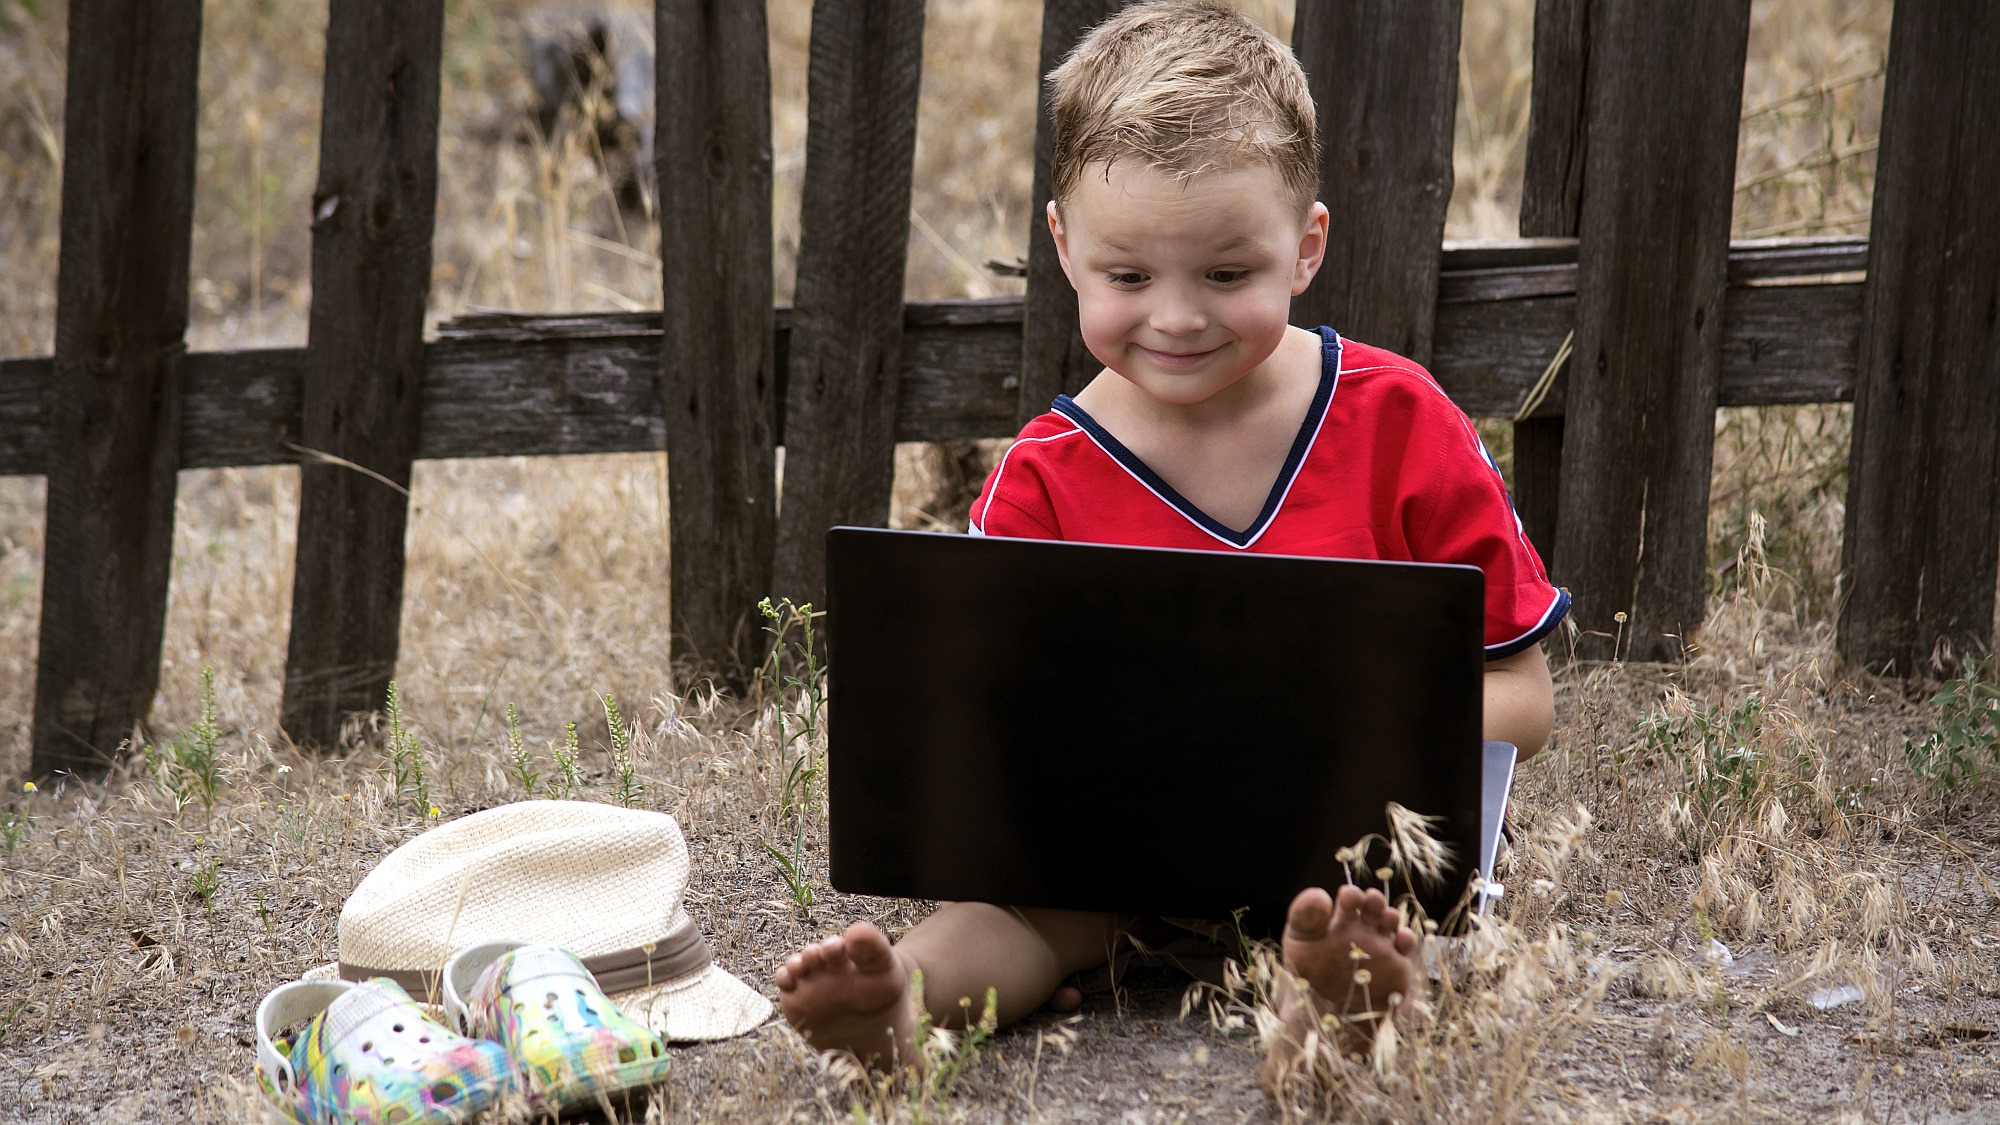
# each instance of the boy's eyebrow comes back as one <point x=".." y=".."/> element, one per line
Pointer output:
<point x="1240" y="242"/>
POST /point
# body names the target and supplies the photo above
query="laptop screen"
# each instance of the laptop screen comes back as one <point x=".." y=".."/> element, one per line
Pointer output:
<point x="1141" y="730"/>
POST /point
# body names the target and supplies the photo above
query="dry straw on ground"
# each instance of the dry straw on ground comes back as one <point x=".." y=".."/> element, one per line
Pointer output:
<point x="1706" y="855"/>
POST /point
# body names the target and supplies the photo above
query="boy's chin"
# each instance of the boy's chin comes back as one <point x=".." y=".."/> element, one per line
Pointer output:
<point x="1180" y="390"/>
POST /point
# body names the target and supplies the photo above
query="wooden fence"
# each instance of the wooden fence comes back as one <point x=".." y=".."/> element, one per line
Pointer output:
<point x="1629" y="183"/>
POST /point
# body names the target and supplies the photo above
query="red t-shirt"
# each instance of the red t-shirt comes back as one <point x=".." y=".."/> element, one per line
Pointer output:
<point x="1384" y="467"/>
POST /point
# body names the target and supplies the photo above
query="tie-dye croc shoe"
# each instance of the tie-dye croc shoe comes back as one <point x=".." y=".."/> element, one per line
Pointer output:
<point x="570" y="1044"/>
<point x="368" y="1055"/>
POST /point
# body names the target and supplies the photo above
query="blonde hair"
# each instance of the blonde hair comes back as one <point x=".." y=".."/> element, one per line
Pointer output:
<point x="1183" y="86"/>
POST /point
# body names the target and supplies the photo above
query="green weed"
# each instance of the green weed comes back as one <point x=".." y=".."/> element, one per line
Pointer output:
<point x="566" y="778"/>
<point x="1719" y="753"/>
<point x="520" y="765"/>
<point x="630" y="788"/>
<point x="795" y="684"/>
<point x="790" y="867"/>
<point x="13" y="826"/>
<point x="206" y="882"/>
<point x="405" y="754"/>
<point x="186" y="767"/>
<point x="1964" y="729"/>
<point x="949" y="1056"/>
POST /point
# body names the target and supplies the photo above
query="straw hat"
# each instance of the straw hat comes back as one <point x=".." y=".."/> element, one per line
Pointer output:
<point x="604" y="882"/>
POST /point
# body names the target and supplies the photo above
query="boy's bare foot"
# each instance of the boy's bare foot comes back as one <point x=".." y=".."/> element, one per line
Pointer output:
<point x="851" y="992"/>
<point x="1322" y="934"/>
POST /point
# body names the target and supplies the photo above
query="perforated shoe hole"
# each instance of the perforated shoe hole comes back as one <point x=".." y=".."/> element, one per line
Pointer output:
<point x="399" y="1029"/>
<point x="627" y="1054"/>
<point x="444" y="1092"/>
<point x="656" y="1050"/>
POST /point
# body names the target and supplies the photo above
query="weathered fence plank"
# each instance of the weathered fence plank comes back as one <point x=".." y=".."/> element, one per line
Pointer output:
<point x="1384" y="79"/>
<point x="719" y="386"/>
<point x="1551" y="202"/>
<point x="1923" y="508"/>
<point x="362" y="397"/>
<point x="1632" y="534"/>
<point x="114" y="402"/>
<point x="504" y="385"/>
<point x="1053" y="359"/>
<point x="847" y="314"/>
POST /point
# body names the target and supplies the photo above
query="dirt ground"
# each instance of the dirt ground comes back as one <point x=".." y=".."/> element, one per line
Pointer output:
<point x="130" y="983"/>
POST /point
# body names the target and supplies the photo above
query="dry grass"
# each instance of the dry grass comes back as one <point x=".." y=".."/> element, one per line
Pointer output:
<point x="132" y="928"/>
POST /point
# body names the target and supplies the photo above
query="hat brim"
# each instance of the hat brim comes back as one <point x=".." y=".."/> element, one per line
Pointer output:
<point x="708" y="1005"/>
<point x="704" y="1006"/>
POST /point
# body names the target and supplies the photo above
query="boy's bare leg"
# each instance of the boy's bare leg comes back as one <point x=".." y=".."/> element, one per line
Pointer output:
<point x="1322" y="933"/>
<point x="851" y="992"/>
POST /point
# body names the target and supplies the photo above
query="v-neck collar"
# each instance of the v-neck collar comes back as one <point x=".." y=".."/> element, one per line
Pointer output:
<point x="1329" y="377"/>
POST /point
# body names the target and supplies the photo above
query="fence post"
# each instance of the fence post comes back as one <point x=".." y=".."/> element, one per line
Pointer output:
<point x="373" y="212"/>
<point x="847" y="314"/>
<point x="1384" y="79"/>
<point x="1923" y="501"/>
<point x="114" y="405"/>
<point x="1053" y="358"/>
<point x="719" y="395"/>
<point x="1665" y="92"/>
<point x="1551" y="203"/>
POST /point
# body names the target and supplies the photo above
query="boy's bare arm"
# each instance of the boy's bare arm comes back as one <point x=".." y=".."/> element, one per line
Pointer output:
<point x="1520" y="701"/>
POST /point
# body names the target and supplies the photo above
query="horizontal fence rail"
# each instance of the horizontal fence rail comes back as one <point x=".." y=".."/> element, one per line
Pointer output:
<point x="503" y="385"/>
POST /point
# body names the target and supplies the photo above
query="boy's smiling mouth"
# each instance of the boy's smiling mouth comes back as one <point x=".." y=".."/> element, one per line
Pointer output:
<point x="1178" y="359"/>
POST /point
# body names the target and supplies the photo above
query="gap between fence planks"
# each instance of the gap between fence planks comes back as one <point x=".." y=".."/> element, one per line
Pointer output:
<point x="115" y="390"/>
<point x="361" y="399"/>
<point x="1052" y="359"/>
<point x="847" y="317"/>
<point x="1551" y="201"/>
<point x="718" y="376"/>
<point x="1665" y="91"/>
<point x="1923" y="508"/>
<point x="1387" y="90"/>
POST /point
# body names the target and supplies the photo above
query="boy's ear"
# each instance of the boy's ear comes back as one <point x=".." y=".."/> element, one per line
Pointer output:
<point x="1062" y="240"/>
<point x="1312" y="248"/>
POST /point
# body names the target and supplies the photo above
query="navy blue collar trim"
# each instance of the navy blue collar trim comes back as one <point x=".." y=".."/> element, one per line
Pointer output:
<point x="1329" y="378"/>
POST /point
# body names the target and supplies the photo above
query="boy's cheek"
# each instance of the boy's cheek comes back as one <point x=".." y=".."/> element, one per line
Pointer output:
<point x="1104" y="314"/>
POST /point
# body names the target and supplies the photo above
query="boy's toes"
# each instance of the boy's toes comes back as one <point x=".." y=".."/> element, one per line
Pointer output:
<point x="1389" y="920"/>
<point x="1406" y="940"/>
<point x="868" y="947"/>
<point x="1310" y="914"/>
<point x="806" y="961"/>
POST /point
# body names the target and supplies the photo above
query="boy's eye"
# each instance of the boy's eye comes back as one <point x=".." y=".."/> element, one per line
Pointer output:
<point x="1227" y="277"/>
<point x="1128" y="277"/>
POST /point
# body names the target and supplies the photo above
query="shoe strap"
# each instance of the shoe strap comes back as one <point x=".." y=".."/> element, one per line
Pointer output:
<point x="284" y="1006"/>
<point x="462" y="973"/>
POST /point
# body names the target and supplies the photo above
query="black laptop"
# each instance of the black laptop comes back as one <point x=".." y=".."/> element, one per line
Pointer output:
<point x="1141" y="730"/>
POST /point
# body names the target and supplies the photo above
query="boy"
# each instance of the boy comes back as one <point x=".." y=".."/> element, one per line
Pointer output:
<point x="1185" y="217"/>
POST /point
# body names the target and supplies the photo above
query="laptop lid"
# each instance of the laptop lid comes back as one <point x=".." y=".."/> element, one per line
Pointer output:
<point x="1138" y="729"/>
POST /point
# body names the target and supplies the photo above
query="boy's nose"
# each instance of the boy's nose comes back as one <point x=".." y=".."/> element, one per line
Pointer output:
<point x="1173" y="317"/>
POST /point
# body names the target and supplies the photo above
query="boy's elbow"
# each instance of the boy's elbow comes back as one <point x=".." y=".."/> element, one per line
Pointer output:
<point x="1521" y="701"/>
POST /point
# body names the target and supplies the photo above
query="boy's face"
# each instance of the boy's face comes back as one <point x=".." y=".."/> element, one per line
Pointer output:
<point x="1184" y="286"/>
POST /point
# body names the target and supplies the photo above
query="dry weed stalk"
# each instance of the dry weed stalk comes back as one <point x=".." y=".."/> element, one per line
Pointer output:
<point x="1501" y="1003"/>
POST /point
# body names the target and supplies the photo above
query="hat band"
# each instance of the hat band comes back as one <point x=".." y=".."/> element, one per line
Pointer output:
<point x="681" y="953"/>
